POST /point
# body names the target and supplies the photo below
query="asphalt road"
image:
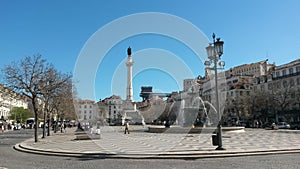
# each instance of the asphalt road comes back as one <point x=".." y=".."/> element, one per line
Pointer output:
<point x="11" y="159"/>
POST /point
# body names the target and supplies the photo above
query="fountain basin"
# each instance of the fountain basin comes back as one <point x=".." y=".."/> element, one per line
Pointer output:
<point x="192" y="130"/>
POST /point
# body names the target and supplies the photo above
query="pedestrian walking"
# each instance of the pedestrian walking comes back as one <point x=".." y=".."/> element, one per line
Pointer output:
<point x="62" y="127"/>
<point x="126" y="128"/>
<point x="65" y="126"/>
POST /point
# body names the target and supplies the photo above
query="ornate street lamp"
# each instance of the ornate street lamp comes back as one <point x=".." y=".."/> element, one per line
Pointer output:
<point x="214" y="51"/>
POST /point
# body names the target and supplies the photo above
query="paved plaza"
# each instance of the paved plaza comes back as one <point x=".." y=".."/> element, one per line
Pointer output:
<point x="113" y="143"/>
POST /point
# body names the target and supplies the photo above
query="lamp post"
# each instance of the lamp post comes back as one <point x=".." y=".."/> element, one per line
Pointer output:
<point x="214" y="52"/>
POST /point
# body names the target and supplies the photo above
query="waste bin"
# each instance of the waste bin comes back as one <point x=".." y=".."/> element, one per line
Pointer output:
<point x="215" y="139"/>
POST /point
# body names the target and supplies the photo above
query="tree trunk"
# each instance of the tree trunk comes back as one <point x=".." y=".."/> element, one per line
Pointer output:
<point x="36" y="127"/>
<point x="35" y="119"/>
<point x="56" y="124"/>
<point x="48" y="122"/>
<point x="44" y="127"/>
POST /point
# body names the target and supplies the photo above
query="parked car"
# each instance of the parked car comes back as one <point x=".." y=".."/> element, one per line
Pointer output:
<point x="267" y="125"/>
<point x="283" y="125"/>
<point x="295" y="125"/>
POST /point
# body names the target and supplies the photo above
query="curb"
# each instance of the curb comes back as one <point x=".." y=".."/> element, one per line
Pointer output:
<point x="170" y="155"/>
<point x="288" y="131"/>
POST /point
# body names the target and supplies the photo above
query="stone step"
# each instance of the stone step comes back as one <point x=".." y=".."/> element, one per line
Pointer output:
<point x="86" y="136"/>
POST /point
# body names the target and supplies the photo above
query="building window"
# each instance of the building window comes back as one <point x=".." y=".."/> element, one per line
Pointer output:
<point x="277" y="74"/>
<point x="291" y="71"/>
<point x="283" y="72"/>
<point x="90" y="111"/>
<point x="298" y="69"/>
<point x="262" y="87"/>
<point x="84" y="117"/>
<point x="255" y="81"/>
<point x="298" y="81"/>
<point x="85" y="106"/>
<point x="90" y="106"/>
<point x="262" y="79"/>
<point x="84" y="111"/>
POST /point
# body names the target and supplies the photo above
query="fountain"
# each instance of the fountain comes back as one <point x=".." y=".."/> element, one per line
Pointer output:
<point x="211" y="116"/>
<point x="193" y="116"/>
<point x="134" y="116"/>
<point x="180" y="116"/>
<point x="191" y="112"/>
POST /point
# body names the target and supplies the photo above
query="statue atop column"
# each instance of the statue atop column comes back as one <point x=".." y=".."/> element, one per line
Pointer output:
<point x="129" y="51"/>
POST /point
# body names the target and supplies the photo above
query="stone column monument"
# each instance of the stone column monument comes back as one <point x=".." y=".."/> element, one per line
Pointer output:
<point x="129" y="64"/>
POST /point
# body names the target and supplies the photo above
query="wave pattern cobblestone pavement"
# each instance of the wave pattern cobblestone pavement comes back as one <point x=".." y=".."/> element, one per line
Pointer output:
<point x="140" y="144"/>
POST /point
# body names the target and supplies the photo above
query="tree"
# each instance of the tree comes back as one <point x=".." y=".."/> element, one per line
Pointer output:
<point x="28" y="77"/>
<point x="281" y="99"/>
<point x="260" y="105"/>
<point x="297" y="101"/>
<point x="63" y="102"/>
<point x="54" y="83"/>
<point x="68" y="98"/>
<point x="297" y="97"/>
<point x="20" y="114"/>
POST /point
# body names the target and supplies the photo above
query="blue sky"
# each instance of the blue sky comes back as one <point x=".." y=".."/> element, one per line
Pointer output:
<point x="253" y="30"/>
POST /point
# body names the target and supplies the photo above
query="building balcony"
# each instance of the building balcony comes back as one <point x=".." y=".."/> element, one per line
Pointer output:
<point x="287" y="76"/>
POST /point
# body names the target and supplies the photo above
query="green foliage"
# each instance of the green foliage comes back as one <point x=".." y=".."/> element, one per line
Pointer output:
<point x="20" y="114"/>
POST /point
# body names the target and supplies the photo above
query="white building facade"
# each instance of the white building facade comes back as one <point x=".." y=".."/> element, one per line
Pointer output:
<point x="253" y="69"/>
<point x="86" y="111"/>
<point x="111" y="108"/>
<point x="9" y="100"/>
<point x="283" y="88"/>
